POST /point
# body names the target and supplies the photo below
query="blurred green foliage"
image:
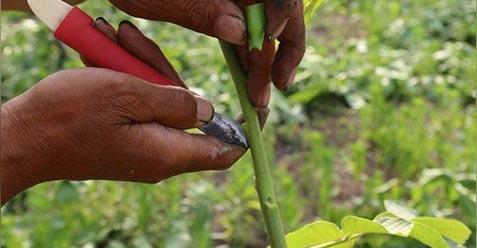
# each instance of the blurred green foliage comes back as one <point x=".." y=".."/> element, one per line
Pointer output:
<point x="383" y="108"/>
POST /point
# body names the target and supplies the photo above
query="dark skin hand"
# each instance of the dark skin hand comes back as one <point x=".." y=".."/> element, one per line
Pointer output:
<point x="224" y="19"/>
<point x="118" y="135"/>
<point x="95" y="123"/>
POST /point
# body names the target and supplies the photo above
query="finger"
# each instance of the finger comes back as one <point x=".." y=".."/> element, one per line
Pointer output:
<point x="173" y="107"/>
<point x="135" y="42"/>
<point x="137" y="101"/>
<point x="259" y="75"/>
<point x="167" y="152"/>
<point x="217" y="18"/>
<point x="202" y="152"/>
<point x="278" y="14"/>
<point x="290" y="51"/>
<point x="103" y="26"/>
<point x="257" y="65"/>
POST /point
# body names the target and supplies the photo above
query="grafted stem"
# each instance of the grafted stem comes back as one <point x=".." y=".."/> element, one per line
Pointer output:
<point x="263" y="178"/>
<point x="256" y="23"/>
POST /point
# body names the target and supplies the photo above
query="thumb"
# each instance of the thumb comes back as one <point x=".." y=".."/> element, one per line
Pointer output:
<point x="160" y="152"/>
<point x="171" y="106"/>
<point x="218" y="18"/>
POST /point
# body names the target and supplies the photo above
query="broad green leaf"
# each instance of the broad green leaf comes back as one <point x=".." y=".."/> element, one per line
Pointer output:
<point x="452" y="229"/>
<point x="428" y="236"/>
<point x="354" y="225"/>
<point x="394" y="225"/>
<point x="398" y="209"/>
<point x="314" y="234"/>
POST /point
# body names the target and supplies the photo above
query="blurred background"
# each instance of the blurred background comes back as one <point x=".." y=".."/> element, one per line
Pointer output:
<point x="384" y="107"/>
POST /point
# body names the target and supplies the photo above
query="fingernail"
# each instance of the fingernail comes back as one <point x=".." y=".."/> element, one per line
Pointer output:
<point x="231" y="29"/>
<point x="126" y="22"/>
<point x="291" y="79"/>
<point x="277" y="31"/>
<point x="101" y="19"/>
<point x="205" y="111"/>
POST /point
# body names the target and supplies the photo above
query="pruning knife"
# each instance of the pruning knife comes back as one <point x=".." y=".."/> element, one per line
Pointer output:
<point x="75" y="28"/>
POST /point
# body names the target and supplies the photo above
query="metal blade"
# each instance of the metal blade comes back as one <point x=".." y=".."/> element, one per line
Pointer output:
<point x="225" y="129"/>
<point x="50" y="12"/>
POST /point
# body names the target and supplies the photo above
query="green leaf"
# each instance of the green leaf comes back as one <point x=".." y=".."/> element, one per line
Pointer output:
<point x="452" y="229"/>
<point x="397" y="208"/>
<point x="394" y="225"/>
<point x="314" y="234"/>
<point x="428" y="236"/>
<point x="355" y="225"/>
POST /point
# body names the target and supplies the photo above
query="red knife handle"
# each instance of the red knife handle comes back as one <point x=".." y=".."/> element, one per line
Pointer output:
<point x="77" y="31"/>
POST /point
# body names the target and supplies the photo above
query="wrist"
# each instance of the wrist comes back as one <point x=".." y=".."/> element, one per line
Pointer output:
<point x="19" y="165"/>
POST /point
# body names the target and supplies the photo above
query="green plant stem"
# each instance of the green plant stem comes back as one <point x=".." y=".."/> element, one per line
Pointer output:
<point x="256" y="23"/>
<point x="263" y="178"/>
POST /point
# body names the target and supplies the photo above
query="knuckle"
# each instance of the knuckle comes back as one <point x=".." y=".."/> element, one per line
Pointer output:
<point x="121" y="96"/>
<point x="125" y="97"/>
<point x="57" y="77"/>
<point x="185" y="97"/>
<point x="199" y="13"/>
<point x="113" y="84"/>
<point x="184" y="104"/>
<point x="55" y="85"/>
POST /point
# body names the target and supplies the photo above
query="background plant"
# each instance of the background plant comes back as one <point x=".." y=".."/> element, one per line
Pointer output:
<point x="398" y="220"/>
<point x="384" y="108"/>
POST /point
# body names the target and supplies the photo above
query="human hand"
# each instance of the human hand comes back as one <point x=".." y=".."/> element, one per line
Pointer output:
<point x="99" y="124"/>
<point x="224" y="19"/>
<point x="129" y="37"/>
